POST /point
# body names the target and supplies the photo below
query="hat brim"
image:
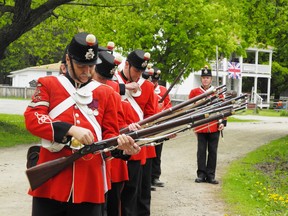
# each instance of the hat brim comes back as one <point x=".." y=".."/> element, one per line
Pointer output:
<point x="138" y="68"/>
<point x="100" y="48"/>
<point x="98" y="61"/>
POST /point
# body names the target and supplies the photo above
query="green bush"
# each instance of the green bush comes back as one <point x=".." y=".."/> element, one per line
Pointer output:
<point x="284" y="113"/>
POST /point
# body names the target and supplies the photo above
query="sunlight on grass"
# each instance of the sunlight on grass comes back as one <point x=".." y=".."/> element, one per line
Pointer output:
<point x="263" y="112"/>
<point x="235" y="119"/>
<point x="257" y="184"/>
<point x="13" y="131"/>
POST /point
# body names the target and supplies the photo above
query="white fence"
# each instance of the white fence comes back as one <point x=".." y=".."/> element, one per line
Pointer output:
<point x="16" y="92"/>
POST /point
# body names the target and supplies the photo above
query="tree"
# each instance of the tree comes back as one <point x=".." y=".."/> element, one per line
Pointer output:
<point x="21" y="17"/>
<point x="179" y="34"/>
<point x="279" y="81"/>
<point x="266" y="24"/>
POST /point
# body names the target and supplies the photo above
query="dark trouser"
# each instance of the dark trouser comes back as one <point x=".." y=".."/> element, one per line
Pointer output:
<point x="49" y="207"/>
<point x="156" y="162"/>
<point x="130" y="190"/>
<point x="114" y="199"/>
<point x="207" y="165"/>
<point x="144" y="194"/>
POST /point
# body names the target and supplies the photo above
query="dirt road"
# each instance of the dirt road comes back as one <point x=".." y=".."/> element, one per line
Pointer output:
<point x="181" y="195"/>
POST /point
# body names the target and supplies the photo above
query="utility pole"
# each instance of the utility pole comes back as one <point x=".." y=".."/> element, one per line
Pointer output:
<point x="217" y="77"/>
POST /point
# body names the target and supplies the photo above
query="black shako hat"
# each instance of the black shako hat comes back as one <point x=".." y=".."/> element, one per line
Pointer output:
<point x="110" y="47"/>
<point x="83" y="49"/>
<point x="206" y="72"/>
<point x="139" y="59"/>
<point x="147" y="74"/>
<point x="108" y="64"/>
<point x="156" y="74"/>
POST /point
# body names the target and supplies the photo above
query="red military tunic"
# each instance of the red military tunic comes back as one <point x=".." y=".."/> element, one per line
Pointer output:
<point x="167" y="102"/>
<point x="85" y="181"/>
<point x="146" y="102"/>
<point x="119" y="169"/>
<point x="210" y="127"/>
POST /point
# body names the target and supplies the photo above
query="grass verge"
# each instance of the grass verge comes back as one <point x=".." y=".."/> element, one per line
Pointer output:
<point x="263" y="112"/>
<point x="13" y="131"/>
<point x="257" y="184"/>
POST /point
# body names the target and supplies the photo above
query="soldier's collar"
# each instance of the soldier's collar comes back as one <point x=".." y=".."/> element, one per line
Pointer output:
<point x="123" y="76"/>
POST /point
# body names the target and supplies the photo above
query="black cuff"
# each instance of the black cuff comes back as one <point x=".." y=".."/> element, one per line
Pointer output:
<point x="224" y="122"/>
<point x="116" y="153"/>
<point x="122" y="88"/>
<point x="60" y="131"/>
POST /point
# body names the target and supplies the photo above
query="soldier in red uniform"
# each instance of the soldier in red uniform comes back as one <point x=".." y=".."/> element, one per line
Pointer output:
<point x="207" y="136"/>
<point x="136" y="195"/>
<point x="72" y="107"/>
<point x="166" y="104"/>
<point x="118" y="172"/>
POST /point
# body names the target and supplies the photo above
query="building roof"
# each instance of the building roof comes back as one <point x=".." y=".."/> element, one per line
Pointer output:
<point x="49" y="67"/>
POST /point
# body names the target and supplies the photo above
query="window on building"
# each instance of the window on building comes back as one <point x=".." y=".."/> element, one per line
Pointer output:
<point x="48" y="73"/>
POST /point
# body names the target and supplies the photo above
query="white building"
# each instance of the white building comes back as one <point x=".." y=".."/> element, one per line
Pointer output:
<point x="22" y="78"/>
<point x="252" y="67"/>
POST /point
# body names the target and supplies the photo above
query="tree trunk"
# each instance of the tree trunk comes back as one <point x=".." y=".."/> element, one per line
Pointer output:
<point x="24" y="19"/>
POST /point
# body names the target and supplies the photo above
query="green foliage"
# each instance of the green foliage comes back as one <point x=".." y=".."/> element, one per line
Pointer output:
<point x="179" y="34"/>
<point x="263" y="112"/>
<point x="257" y="184"/>
<point x="235" y="119"/>
<point x="13" y="131"/>
<point x="280" y="78"/>
<point x="284" y="113"/>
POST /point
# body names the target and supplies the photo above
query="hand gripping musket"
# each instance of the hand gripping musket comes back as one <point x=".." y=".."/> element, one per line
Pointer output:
<point x="172" y="85"/>
<point x="149" y="121"/>
<point x="41" y="173"/>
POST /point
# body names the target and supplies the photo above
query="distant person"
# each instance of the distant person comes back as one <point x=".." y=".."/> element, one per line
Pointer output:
<point x="279" y="105"/>
<point x="207" y="136"/>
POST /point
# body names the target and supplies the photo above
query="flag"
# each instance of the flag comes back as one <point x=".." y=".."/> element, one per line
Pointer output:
<point x="234" y="70"/>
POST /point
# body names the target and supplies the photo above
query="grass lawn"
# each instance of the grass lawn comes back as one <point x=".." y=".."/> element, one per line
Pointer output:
<point x="264" y="112"/>
<point x="13" y="131"/>
<point x="257" y="184"/>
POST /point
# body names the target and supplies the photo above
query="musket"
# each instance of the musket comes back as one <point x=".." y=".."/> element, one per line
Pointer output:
<point x="190" y="108"/>
<point x="172" y="85"/>
<point x="164" y="137"/>
<point x="41" y="173"/>
<point x="217" y="104"/>
<point x="174" y="108"/>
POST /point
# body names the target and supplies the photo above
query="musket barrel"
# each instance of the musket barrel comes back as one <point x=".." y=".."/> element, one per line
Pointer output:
<point x="172" y="85"/>
<point x="174" y="108"/>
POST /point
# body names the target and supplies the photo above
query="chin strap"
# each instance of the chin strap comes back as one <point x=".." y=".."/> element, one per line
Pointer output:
<point x="77" y="85"/>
